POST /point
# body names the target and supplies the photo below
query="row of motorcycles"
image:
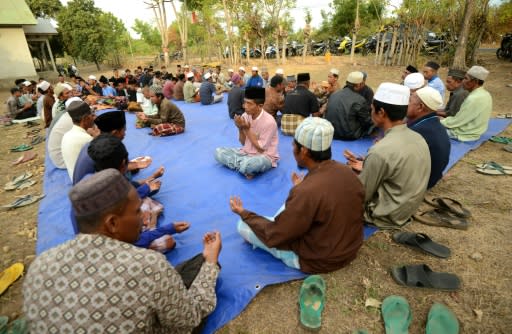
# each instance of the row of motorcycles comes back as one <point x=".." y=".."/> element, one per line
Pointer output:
<point x="432" y="44"/>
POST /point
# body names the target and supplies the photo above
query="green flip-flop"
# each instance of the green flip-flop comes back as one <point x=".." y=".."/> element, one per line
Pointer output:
<point x="441" y="320"/>
<point x="312" y="302"/>
<point x="21" y="148"/>
<point x="396" y="314"/>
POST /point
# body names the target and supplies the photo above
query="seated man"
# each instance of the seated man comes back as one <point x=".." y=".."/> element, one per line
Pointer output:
<point x="422" y="118"/>
<point x="298" y="104"/>
<point x="408" y="70"/>
<point x="457" y="93"/>
<point x="107" y="209"/>
<point x="54" y="142"/>
<point x="274" y="96"/>
<point x="366" y="91"/>
<point x="396" y="171"/>
<point x="144" y="99"/>
<point x="190" y="93"/>
<point x="168" y="112"/>
<point x="320" y="228"/>
<point x="430" y="74"/>
<point x="178" y="88"/>
<point x="257" y="132"/>
<point x="14" y="110"/>
<point x="236" y="97"/>
<point x="348" y="111"/>
<point x="106" y="89"/>
<point x="472" y="119"/>
<point x="207" y="92"/>
<point x="414" y="81"/>
<point x="255" y="80"/>
<point x="332" y="79"/>
<point x="72" y="142"/>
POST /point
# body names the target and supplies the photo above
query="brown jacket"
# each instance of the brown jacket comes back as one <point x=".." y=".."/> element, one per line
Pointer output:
<point x="322" y="221"/>
<point x="168" y="112"/>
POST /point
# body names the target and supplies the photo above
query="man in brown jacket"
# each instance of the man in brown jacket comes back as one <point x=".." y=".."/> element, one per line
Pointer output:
<point x="168" y="112"/>
<point x="320" y="228"/>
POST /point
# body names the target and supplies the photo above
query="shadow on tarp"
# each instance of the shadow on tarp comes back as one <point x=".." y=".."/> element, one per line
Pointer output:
<point x="196" y="188"/>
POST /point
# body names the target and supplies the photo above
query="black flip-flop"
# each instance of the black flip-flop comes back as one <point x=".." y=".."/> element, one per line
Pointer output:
<point x="421" y="276"/>
<point x="449" y="204"/>
<point x="441" y="218"/>
<point x="421" y="242"/>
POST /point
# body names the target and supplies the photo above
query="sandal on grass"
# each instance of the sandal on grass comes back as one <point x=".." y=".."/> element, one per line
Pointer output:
<point x="421" y="242"/>
<point x="10" y="275"/>
<point x="493" y="168"/>
<point x="27" y="156"/>
<point x="441" y="218"/>
<point x="501" y="140"/>
<point x="441" y="320"/>
<point x="421" y="276"/>
<point x="312" y="302"/>
<point x="21" y="148"/>
<point x="23" y="201"/>
<point x="37" y="140"/>
<point x="448" y="204"/>
<point x="396" y="314"/>
<point x="11" y="185"/>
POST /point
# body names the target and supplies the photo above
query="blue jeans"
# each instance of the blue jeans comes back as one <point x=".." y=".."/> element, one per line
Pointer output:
<point x="288" y="257"/>
<point x="246" y="164"/>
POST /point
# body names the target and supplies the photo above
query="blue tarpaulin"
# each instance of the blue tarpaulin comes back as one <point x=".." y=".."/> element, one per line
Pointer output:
<point x="195" y="188"/>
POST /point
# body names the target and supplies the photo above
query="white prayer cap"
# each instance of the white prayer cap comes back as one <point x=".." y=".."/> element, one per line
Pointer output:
<point x="186" y="66"/>
<point x="280" y="71"/>
<point x="67" y="86"/>
<point x="26" y="83"/>
<point x="478" y="72"/>
<point x="44" y="85"/>
<point x="430" y="97"/>
<point x="71" y="100"/>
<point x="254" y="68"/>
<point x="207" y="75"/>
<point x="190" y="75"/>
<point x="355" y="77"/>
<point x="241" y="68"/>
<point x="230" y="70"/>
<point x="334" y="71"/>
<point x="315" y="133"/>
<point x="59" y="89"/>
<point x="414" y="80"/>
<point x="92" y="77"/>
<point x="392" y="93"/>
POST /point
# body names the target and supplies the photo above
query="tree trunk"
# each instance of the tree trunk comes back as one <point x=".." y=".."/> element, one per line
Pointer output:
<point x="97" y="65"/>
<point x="459" y="60"/>
<point x="247" y="51"/>
<point x="471" y="57"/>
<point x="230" y="33"/>
<point x="285" y="46"/>
<point x="277" y="49"/>
<point x="305" y="50"/>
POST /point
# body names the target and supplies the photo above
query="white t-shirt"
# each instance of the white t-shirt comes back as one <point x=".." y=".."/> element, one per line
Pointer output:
<point x="72" y="143"/>
<point x="63" y="125"/>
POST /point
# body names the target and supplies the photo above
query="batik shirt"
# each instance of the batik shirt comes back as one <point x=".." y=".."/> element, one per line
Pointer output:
<point x="96" y="284"/>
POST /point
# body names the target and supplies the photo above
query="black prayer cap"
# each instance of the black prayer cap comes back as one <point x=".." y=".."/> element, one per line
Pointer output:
<point x="301" y="77"/>
<point x="433" y="65"/>
<point x="110" y="120"/>
<point x="103" y="79"/>
<point x="255" y="93"/>
<point x="78" y="109"/>
<point x="411" y="69"/>
<point x="120" y="81"/>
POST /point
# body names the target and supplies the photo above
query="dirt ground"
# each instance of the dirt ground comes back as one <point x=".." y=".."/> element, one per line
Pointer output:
<point x="480" y="255"/>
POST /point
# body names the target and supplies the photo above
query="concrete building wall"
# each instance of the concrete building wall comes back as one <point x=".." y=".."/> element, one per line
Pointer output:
<point x="15" y="58"/>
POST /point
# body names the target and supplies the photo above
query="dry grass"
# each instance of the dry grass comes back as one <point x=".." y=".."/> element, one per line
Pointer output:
<point x="485" y="282"/>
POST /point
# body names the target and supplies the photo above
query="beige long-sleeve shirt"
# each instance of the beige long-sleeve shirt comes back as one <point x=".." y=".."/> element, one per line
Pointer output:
<point x="395" y="176"/>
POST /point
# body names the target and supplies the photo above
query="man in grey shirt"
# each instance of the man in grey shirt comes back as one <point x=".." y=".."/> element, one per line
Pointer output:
<point x="457" y="93"/>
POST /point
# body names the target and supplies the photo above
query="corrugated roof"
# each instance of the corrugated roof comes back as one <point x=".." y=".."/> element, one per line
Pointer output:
<point x="15" y="12"/>
<point x="43" y="27"/>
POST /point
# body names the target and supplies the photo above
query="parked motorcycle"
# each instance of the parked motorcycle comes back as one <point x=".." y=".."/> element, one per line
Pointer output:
<point x="505" y="50"/>
<point x="342" y="48"/>
<point x="253" y="52"/>
<point x="270" y="52"/>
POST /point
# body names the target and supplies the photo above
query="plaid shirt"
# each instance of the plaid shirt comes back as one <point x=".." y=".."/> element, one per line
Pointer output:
<point x="289" y="123"/>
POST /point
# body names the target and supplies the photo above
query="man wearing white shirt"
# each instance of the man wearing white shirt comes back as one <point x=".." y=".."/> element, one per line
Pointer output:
<point x="83" y="118"/>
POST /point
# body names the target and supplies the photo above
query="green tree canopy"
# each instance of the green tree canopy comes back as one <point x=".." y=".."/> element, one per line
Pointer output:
<point x="148" y="33"/>
<point x="87" y="32"/>
<point x="45" y="8"/>
<point x="344" y="15"/>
